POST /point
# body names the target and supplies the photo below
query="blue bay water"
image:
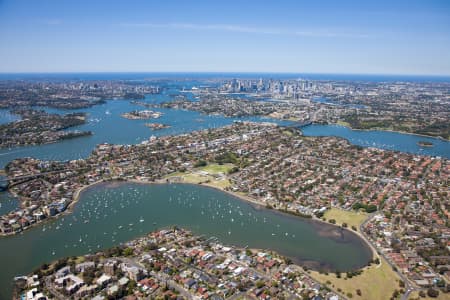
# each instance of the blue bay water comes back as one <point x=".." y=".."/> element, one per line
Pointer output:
<point x="108" y="126"/>
<point x="112" y="213"/>
<point x="6" y="116"/>
<point x="382" y="139"/>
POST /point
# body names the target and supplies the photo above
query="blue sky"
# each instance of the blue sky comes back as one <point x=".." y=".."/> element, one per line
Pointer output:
<point x="365" y="37"/>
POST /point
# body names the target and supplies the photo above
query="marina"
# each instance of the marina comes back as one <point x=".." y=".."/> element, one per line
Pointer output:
<point x="125" y="131"/>
<point x="109" y="214"/>
<point x="183" y="121"/>
<point x="221" y="150"/>
<point x="114" y="212"/>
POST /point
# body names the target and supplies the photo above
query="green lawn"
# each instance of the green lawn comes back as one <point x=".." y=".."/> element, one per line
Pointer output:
<point x="288" y="132"/>
<point x="212" y="169"/>
<point x="372" y="278"/>
<point x="194" y="178"/>
<point x="216" y="168"/>
<point x="376" y="282"/>
<point x="175" y="174"/>
<point x="343" y="123"/>
<point x="352" y="218"/>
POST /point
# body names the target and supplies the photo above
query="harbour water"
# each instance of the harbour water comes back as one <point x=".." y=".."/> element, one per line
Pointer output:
<point x="7" y="203"/>
<point x="108" y="126"/>
<point x="110" y="209"/>
<point x="6" y="116"/>
<point x="112" y="213"/>
<point x="382" y="139"/>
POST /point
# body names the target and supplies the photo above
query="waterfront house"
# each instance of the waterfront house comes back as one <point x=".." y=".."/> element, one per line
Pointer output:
<point x="82" y="267"/>
<point x="71" y="283"/>
<point x="103" y="280"/>
<point x="62" y="272"/>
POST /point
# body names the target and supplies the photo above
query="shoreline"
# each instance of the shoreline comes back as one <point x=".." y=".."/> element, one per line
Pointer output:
<point x="77" y="194"/>
<point x="12" y="147"/>
<point x="393" y="131"/>
<point x="16" y="148"/>
<point x="255" y="203"/>
<point x="371" y="129"/>
<point x="260" y="205"/>
<point x="69" y="210"/>
<point x="302" y="266"/>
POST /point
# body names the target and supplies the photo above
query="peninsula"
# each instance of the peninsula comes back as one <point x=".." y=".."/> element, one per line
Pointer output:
<point x="39" y="127"/>
<point x="276" y="167"/>
<point x="412" y="107"/>
<point x="69" y="94"/>
<point x="172" y="264"/>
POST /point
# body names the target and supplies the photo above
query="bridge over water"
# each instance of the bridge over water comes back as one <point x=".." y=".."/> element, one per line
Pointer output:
<point x="300" y="124"/>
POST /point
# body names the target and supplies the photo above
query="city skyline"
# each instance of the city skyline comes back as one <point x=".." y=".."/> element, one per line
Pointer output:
<point x="405" y="37"/>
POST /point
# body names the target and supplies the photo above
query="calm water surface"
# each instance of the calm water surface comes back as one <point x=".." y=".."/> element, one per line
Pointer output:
<point x="6" y="116"/>
<point x="117" y="213"/>
<point x="107" y="125"/>
<point x="382" y="139"/>
<point x="110" y="213"/>
<point x="7" y="203"/>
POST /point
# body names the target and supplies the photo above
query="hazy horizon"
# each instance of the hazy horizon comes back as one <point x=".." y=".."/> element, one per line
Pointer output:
<point x="324" y="37"/>
<point x="226" y="72"/>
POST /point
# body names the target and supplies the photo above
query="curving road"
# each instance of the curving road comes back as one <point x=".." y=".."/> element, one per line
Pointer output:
<point x="409" y="288"/>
